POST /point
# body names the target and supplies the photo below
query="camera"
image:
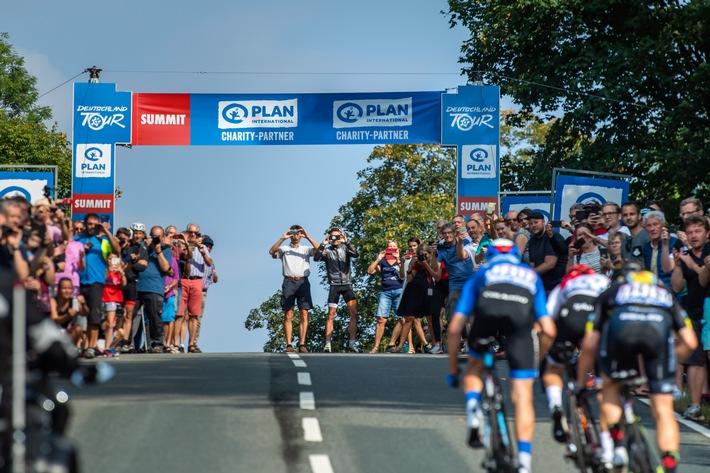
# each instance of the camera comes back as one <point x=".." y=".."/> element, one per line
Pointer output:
<point x="122" y="241"/>
<point x="421" y="257"/>
<point x="294" y="232"/>
<point x="155" y="240"/>
<point x="334" y="238"/>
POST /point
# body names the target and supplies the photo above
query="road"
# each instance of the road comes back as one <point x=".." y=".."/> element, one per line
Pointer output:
<point x="216" y="413"/>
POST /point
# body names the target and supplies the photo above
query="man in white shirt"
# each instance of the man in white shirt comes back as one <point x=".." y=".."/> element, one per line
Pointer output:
<point x="296" y="267"/>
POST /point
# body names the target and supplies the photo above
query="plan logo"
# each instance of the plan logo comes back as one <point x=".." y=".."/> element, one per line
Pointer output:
<point x="258" y="114"/>
<point x="372" y="113"/>
<point x="93" y="160"/>
<point x="478" y="161"/>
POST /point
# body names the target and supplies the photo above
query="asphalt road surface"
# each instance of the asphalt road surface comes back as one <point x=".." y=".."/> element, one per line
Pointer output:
<point x="313" y="413"/>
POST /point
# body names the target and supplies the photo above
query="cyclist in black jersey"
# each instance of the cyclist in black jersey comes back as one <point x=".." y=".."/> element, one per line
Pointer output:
<point x="638" y="316"/>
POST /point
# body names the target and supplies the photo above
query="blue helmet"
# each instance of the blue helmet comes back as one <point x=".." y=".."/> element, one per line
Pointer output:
<point x="502" y="246"/>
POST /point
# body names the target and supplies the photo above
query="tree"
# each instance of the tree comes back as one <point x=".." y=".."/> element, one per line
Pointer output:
<point x="626" y="82"/>
<point x="24" y="136"/>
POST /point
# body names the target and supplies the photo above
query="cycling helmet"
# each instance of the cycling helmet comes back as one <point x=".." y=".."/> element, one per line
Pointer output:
<point x="502" y="246"/>
<point x="138" y="227"/>
<point x="626" y="269"/>
<point x="576" y="271"/>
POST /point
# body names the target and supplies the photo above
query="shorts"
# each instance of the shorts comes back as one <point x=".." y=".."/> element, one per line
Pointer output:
<point x="111" y="306"/>
<point x="622" y="342"/>
<point x="80" y="321"/>
<point x="191" y="297"/>
<point x="570" y="326"/>
<point x="93" y="293"/>
<point x="130" y="293"/>
<point x="168" y="314"/>
<point x="438" y="301"/>
<point x="520" y="343"/>
<point x="296" y="292"/>
<point x="388" y="301"/>
<point x="451" y="302"/>
<point x="697" y="358"/>
<point x="335" y="292"/>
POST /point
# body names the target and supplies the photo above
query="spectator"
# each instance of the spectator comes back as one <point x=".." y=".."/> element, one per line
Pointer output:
<point x="69" y="261"/>
<point x="135" y="259"/>
<point x="151" y="287"/>
<point x="391" y="266"/>
<point x="611" y="212"/>
<point x="503" y="229"/>
<point x="409" y="258"/>
<point x="522" y="235"/>
<point x="183" y="252"/>
<point x="169" y="310"/>
<point x="337" y="258"/>
<point x="98" y="241"/>
<point x="691" y="272"/>
<point x="613" y="260"/>
<point x="585" y="250"/>
<point x="657" y="253"/>
<point x="633" y="247"/>
<point x="208" y="280"/>
<point x="548" y="251"/>
<point x="295" y="288"/>
<point x="192" y="284"/>
<point x="112" y="294"/>
<point x="688" y="207"/>
<point x="417" y="296"/>
<point x="66" y="310"/>
<point x="12" y="255"/>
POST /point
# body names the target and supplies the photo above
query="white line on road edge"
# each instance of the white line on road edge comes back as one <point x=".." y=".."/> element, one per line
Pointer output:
<point x="690" y="424"/>
<point x="304" y="378"/>
<point x="320" y="464"/>
<point x="311" y="430"/>
<point x="293" y="356"/>
<point x="299" y="363"/>
<point x="307" y="401"/>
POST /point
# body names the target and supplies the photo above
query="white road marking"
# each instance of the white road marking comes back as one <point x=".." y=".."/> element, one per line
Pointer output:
<point x="299" y="363"/>
<point x="320" y="464"/>
<point x="307" y="401"/>
<point x="293" y="356"/>
<point x="304" y="378"/>
<point x="311" y="430"/>
<point x="688" y="423"/>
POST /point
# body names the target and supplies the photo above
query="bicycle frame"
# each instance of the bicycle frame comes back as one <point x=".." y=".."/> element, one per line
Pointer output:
<point x="642" y="451"/>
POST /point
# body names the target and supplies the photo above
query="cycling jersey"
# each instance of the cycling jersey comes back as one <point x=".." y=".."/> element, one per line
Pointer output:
<point x="506" y="297"/>
<point x="638" y="316"/>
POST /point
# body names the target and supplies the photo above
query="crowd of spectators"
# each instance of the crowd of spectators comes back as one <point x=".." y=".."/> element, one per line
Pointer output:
<point x="124" y="292"/>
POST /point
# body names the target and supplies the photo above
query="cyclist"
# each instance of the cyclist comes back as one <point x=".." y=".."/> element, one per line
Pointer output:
<point x="570" y="304"/>
<point x="505" y="297"/>
<point x="635" y="317"/>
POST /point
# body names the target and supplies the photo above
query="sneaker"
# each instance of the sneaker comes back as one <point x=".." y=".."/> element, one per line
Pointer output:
<point x="90" y="353"/>
<point x="693" y="412"/>
<point x="158" y="349"/>
<point x="427" y="348"/>
<point x="677" y="394"/>
<point x="181" y="349"/>
<point x="355" y="349"/>
<point x="435" y="349"/>
<point x="302" y="349"/>
<point x="620" y="460"/>
<point x="558" y="431"/>
<point x="475" y="420"/>
<point x="327" y="349"/>
<point x="394" y="349"/>
<point x="193" y="349"/>
<point x="289" y="349"/>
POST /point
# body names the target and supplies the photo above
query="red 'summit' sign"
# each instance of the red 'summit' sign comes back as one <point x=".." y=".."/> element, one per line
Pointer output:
<point x="92" y="203"/>
<point x="468" y="206"/>
<point x="161" y="119"/>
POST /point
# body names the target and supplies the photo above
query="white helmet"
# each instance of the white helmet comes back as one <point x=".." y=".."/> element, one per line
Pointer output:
<point x="138" y="227"/>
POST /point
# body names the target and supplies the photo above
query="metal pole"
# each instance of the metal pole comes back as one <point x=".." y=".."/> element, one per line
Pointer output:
<point x="19" y="378"/>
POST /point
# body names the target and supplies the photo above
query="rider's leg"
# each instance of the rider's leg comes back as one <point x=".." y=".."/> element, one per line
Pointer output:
<point x="667" y="432"/>
<point x="522" y="397"/>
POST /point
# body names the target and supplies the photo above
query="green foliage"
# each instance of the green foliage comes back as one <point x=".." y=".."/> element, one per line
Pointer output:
<point x="403" y="192"/>
<point x="24" y="136"/>
<point x="627" y="82"/>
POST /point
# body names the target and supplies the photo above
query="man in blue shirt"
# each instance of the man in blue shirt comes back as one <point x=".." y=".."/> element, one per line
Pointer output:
<point x="98" y="244"/>
<point x="460" y="270"/>
<point x="151" y="286"/>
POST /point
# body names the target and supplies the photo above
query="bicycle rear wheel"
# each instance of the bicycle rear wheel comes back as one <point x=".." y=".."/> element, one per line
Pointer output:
<point x="643" y="455"/>
<point x="578" y="447"/>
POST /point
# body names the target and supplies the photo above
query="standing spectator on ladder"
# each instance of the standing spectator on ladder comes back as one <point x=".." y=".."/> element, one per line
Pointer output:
<point x="208" y="279"/>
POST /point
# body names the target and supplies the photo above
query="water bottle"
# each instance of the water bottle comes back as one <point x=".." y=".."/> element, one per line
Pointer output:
<point x="405" y="347"/>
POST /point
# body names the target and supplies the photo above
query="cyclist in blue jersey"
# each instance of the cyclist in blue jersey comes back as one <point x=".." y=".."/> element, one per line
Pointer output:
<point x="504" y="298"/>
<point x="637" y="317"/>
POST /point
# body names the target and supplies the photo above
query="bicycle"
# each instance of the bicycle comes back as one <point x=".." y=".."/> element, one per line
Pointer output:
<point x="584" y="446"/>
<point x="642" y="451"/>
<point x="501" y="449"/>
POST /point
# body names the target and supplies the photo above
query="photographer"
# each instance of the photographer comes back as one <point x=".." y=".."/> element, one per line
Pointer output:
<point x="296" y="267"/>
<point x="151" y="287"/>
<point x="12" y="257"/>
<point x="39" y="249"/>
<point x="192" y="284"/>
<point x="337" y="264"/>
<point x="389" y="264"/>
<point x="135" y="260"/>
<point x="98" y="241"/>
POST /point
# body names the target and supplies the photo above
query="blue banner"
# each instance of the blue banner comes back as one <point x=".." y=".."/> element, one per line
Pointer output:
<point x="28" y="184"/>
<point x="538" y="203"/>
<point x="309" y="119"/>
<point x="101" y="115"/>
<point x="571" y="190"/>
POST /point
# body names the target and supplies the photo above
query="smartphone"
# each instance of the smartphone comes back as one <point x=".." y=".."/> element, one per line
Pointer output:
<point x="104" y="218"/>
<point x="491" y="208"/>
<point x="556" y="223"/>
<point x="114" y="263"/>
<point x="673" y="228"/>
<point x="75" y="303"/>
<point x="579" y="243"/>
<point x="603" y="252"/>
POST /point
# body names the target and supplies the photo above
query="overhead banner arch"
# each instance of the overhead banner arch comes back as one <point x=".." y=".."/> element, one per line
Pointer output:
<point x="104" y="117"/>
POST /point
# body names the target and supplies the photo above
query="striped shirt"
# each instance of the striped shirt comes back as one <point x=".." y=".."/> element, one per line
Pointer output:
<point x="197" y="263"/>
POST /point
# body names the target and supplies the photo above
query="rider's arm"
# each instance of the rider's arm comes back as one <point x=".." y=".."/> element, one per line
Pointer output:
<point x="548" y="329"/>
<point x="686" y="334"/>
<point x="463" y="309"/>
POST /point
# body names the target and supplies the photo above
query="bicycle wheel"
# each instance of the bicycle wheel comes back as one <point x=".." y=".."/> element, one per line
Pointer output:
<point x="591" y="433"/>
<point x="643" y="455"/>
<point x="578" y="440"/>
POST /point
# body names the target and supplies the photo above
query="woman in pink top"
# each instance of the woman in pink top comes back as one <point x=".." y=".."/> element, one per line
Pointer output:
<point x="69" y="261"/>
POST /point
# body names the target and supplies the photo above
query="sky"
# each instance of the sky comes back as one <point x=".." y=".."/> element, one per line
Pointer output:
<point x="244" y="197"/>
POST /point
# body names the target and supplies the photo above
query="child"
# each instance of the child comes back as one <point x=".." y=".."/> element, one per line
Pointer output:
<point x="113" y="294"/>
